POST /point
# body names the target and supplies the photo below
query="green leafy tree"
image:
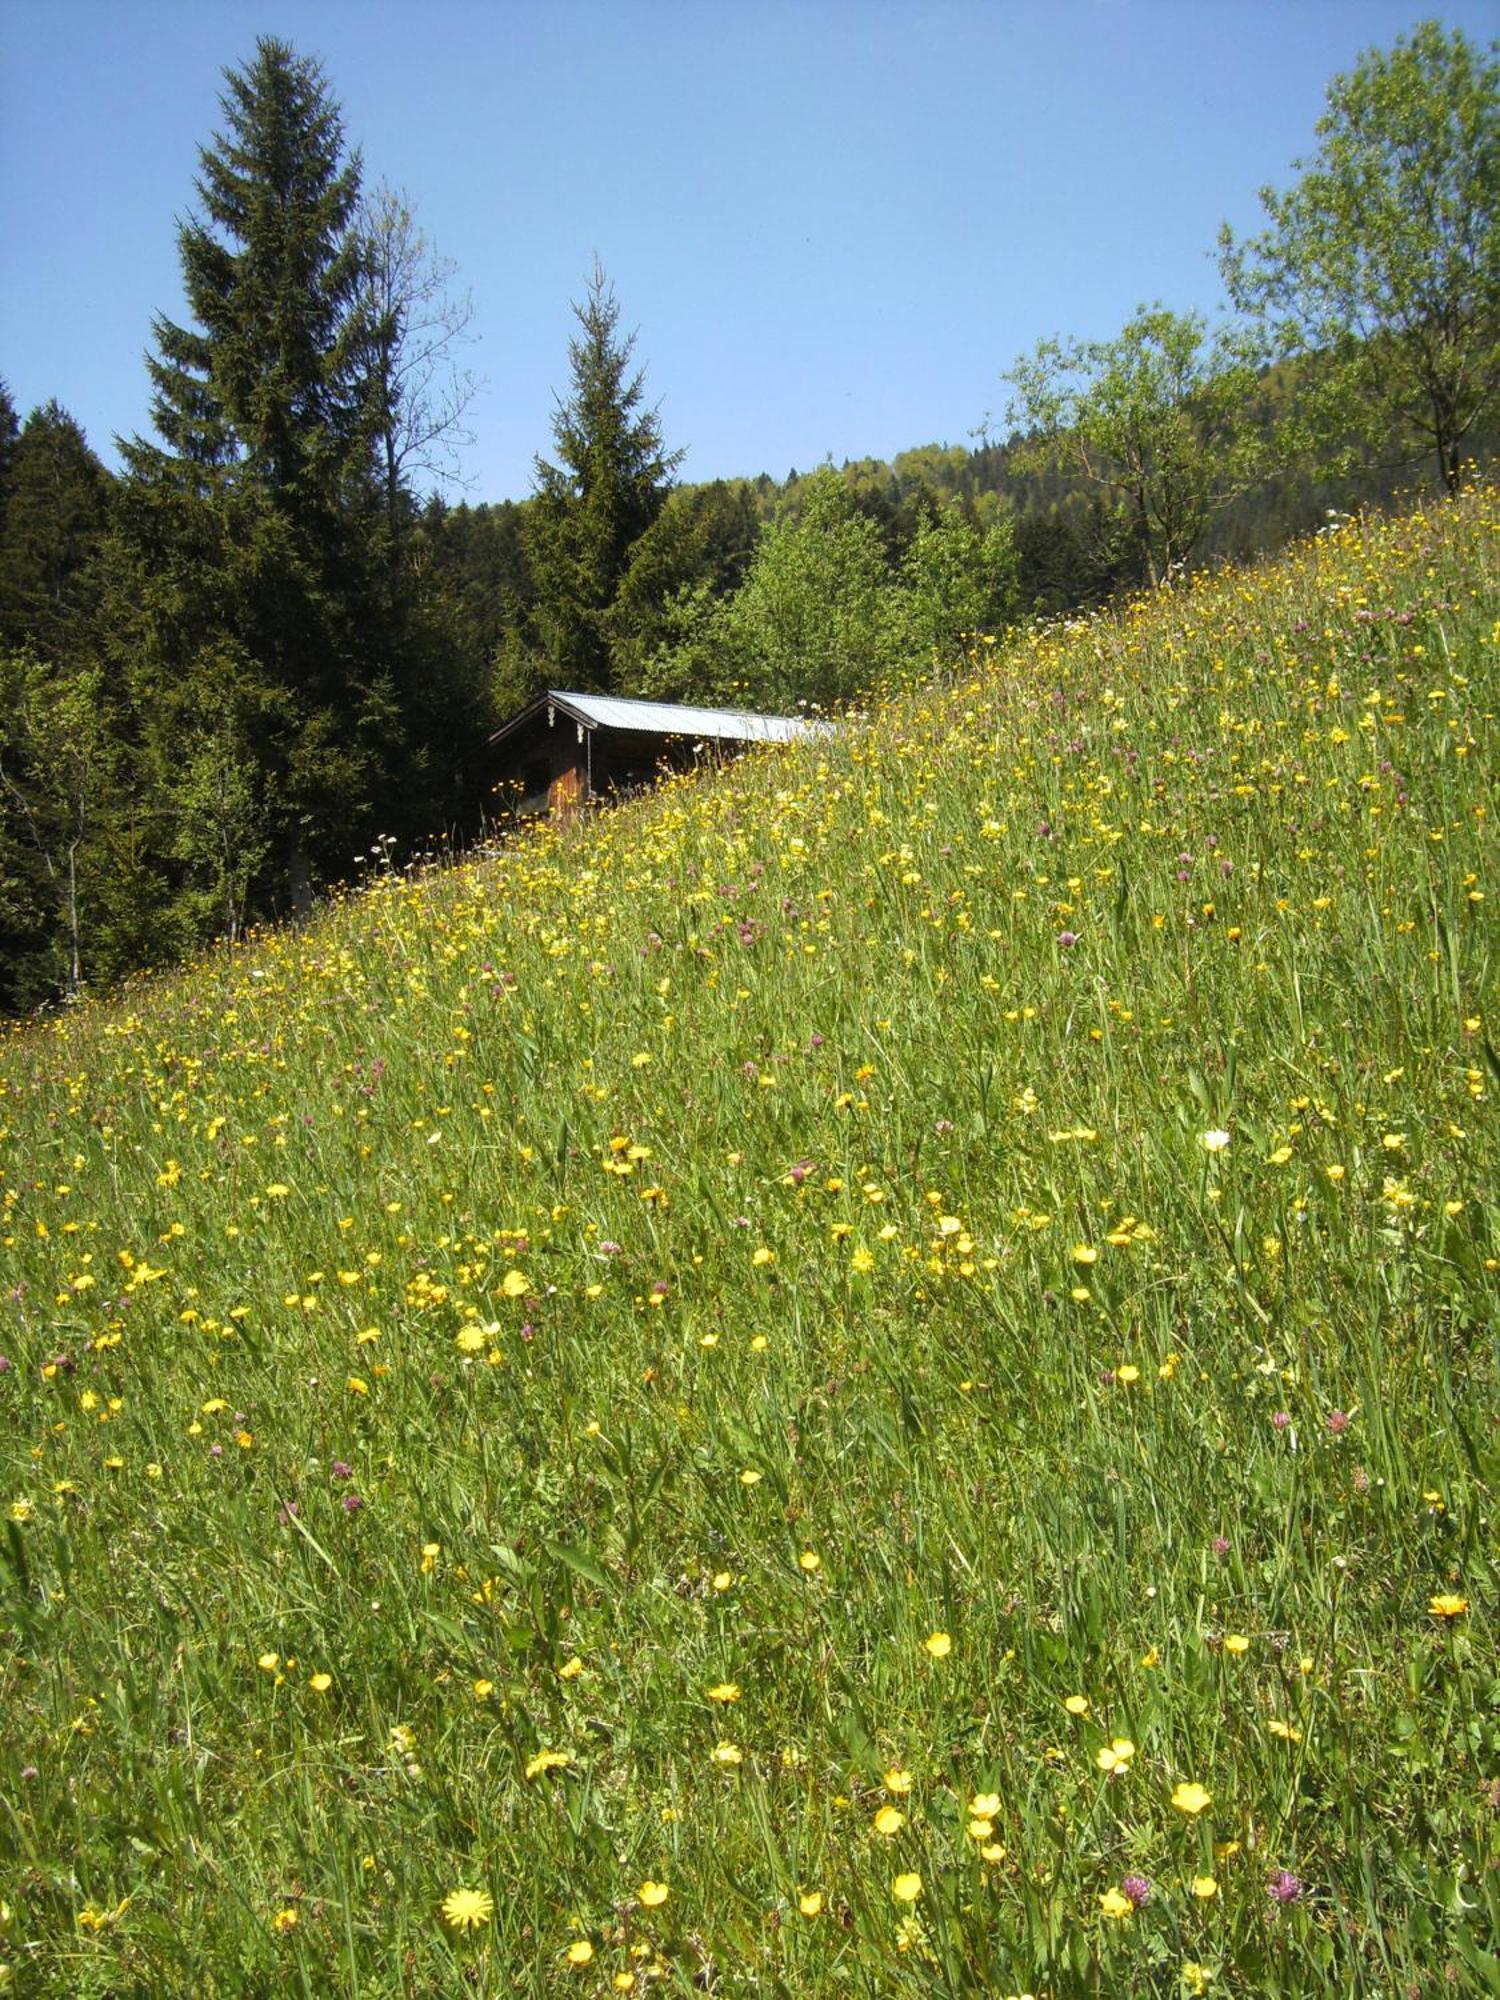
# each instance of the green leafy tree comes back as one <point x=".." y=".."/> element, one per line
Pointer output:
<point x="58" y="763"/>
<point x="594" y="505"/>
<point x="698" y="548"/>
<point x="1383" y="260"/>
<point x="817" y="619"/>
<point x="1162" y="417"/>
<point x="959" y="580"/>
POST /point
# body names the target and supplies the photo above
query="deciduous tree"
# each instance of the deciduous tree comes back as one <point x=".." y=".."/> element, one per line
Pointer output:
<point x="1161" y="416"/>
<point x="1382" y="261"/>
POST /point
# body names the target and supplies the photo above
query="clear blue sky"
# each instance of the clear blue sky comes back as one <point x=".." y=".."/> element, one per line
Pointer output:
<point x="833" y="222"/>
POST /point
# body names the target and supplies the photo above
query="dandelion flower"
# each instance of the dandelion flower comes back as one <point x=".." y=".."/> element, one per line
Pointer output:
<point x="467" y="1909"/>
<point x="726" y="1691"/>
<point x="1214" y="1142"/>
<point x="1449" y="1605"/>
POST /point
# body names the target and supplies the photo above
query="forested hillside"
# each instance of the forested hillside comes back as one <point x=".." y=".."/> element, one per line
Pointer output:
<point x="267" y="649"/>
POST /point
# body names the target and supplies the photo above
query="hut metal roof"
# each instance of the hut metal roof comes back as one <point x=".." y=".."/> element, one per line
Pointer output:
<point x="666" y="718"/>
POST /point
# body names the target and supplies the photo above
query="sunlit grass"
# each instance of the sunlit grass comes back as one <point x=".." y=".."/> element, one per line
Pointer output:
<point x="876" y="1373"/>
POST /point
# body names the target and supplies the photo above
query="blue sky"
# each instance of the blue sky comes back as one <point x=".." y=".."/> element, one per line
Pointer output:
<point x="834" y="223"/>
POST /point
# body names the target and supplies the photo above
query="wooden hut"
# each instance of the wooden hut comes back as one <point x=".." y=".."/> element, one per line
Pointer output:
<point x="565" y="748"/>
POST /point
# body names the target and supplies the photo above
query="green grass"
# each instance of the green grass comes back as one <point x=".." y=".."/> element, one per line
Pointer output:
<point x="737" y="1239"/>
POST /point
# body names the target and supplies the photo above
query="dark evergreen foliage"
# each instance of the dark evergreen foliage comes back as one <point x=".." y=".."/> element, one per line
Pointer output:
<point x="593" y="506"/>
<point x="53" y="514"/>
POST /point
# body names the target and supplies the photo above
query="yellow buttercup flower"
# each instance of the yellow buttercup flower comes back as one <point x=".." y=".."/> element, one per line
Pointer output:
<point x="547" y="1760"/>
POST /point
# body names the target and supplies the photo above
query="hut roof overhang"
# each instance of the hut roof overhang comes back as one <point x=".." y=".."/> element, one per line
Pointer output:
<point x="662" y="718"/>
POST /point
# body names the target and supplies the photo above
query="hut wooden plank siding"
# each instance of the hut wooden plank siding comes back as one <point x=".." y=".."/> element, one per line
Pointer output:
<point x="566" y="748"/>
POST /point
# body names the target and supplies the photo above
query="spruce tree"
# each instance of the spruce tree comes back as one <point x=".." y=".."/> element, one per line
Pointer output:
<point x="55" y="508"/>
<point x="10" y="430"/>
<point x="254" y="603"/>
<point x="593" y="506"/>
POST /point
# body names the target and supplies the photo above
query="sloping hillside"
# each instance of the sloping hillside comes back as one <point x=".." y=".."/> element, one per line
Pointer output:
<point x="874" y="1374"/>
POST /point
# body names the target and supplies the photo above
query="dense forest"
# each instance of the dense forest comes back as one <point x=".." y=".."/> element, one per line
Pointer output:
<point x="264" y="653"/>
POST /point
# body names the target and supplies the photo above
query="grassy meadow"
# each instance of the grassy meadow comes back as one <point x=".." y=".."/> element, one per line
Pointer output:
<point x="873" y="1374"/>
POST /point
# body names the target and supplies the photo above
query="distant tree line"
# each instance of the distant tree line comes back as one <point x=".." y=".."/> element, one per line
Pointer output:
<point x="229" y="672"/>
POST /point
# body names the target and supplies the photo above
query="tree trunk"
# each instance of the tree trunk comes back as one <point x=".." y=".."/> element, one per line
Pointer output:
<point x="75" y="956"/>
<point x="299" y="882"/>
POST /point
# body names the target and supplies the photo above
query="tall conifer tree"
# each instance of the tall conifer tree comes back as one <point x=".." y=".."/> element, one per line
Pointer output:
<point x="249" y="545"/>
<point x="593" y="506"/>
<point x="53" y="516"/>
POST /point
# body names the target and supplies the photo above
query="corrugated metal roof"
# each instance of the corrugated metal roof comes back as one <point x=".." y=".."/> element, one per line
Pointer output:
<point x="670" y="718"/>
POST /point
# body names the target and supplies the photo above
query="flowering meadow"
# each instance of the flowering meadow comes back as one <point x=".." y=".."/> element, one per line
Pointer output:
<point x="873" y="1373"/>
